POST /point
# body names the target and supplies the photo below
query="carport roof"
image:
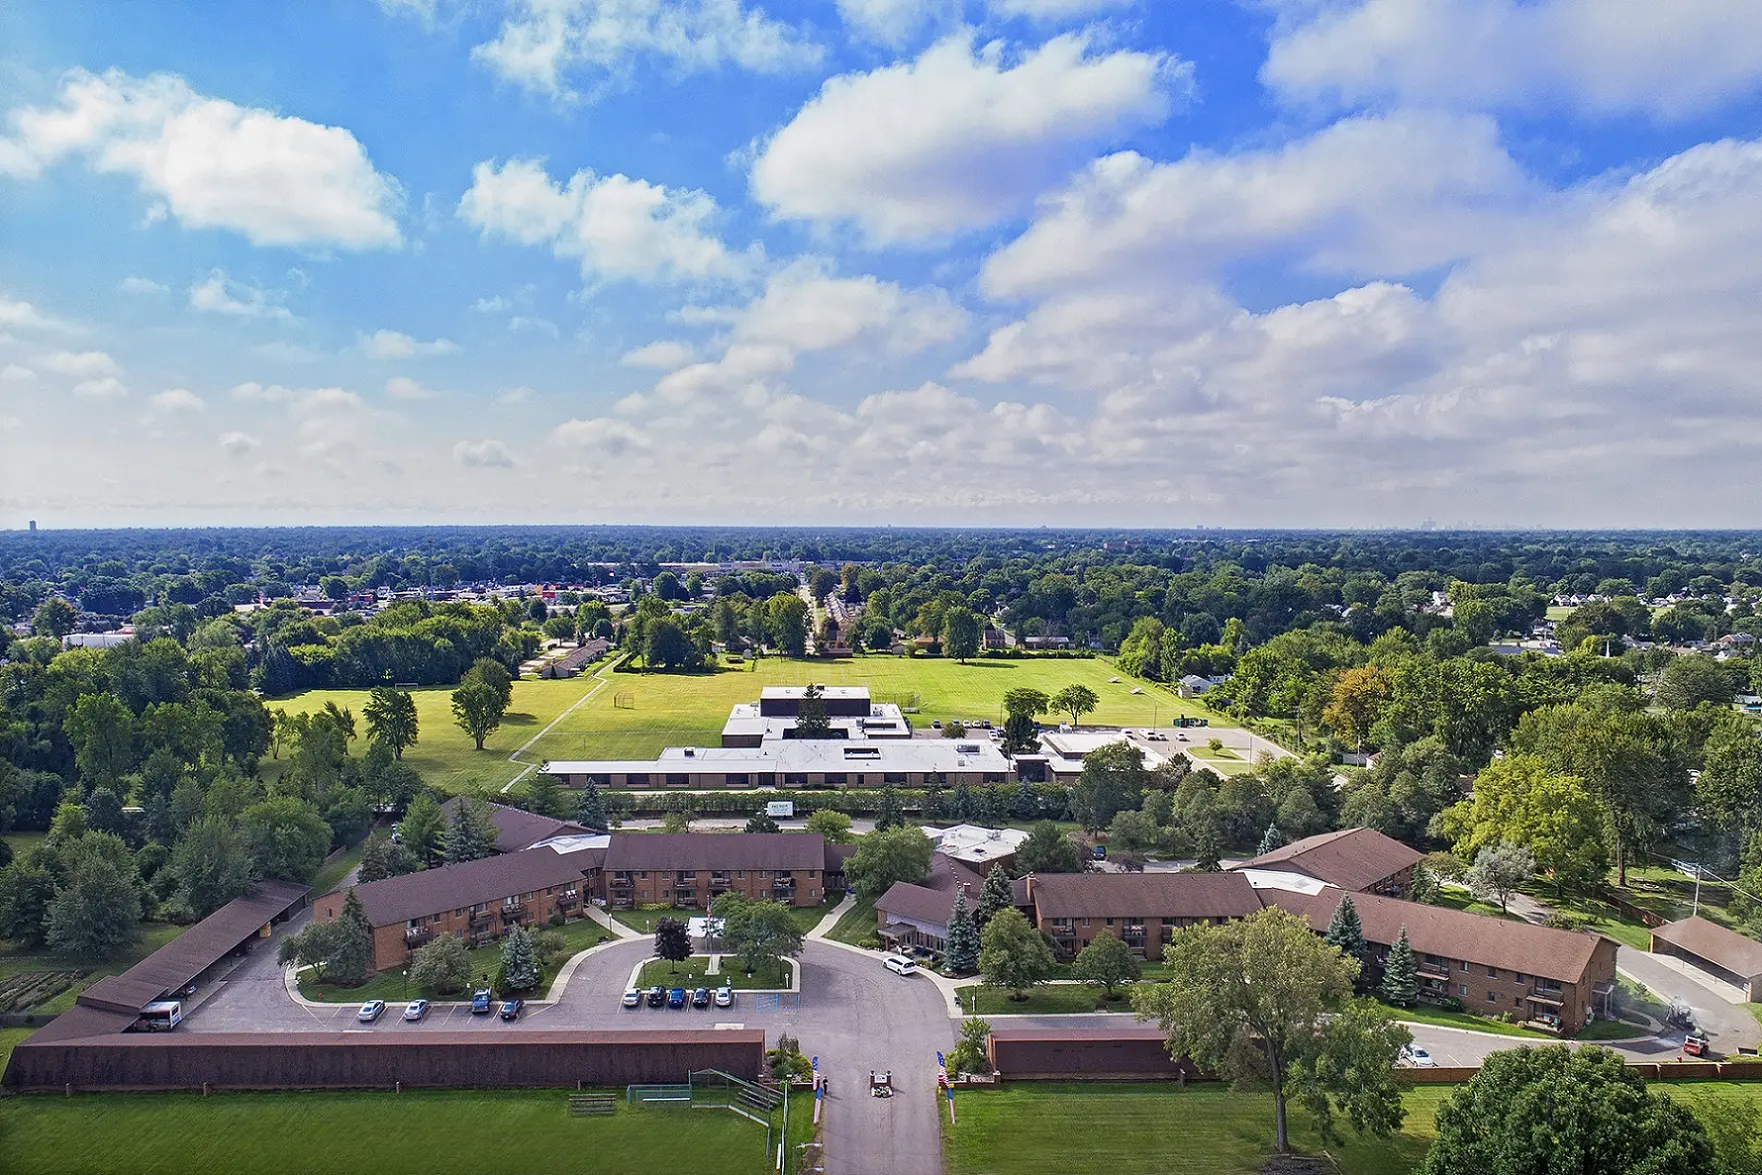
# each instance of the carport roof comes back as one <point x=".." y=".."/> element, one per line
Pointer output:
<point x="1714" y="943"/>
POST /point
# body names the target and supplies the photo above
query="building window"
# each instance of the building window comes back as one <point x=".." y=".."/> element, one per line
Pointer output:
<point x="835" y="779"/>
<point x="1463" y="991"/>
<point x="1465" y="966"/>
<point x="734" y="779"/>
<point x="638" y="779"/>
<point x="677" y="779"/>
<point x="893" y="777"/>
<point x="1492" y="997"/>
<point x="1492" y="972"/>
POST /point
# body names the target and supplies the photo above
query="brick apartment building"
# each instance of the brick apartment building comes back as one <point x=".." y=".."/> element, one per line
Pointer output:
<point x="692" y="869"/>
<point x="1142" y="909"/>
<point x="476" y="902"/>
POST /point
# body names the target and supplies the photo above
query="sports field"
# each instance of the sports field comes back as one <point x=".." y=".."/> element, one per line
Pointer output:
<point x="444" y="754"/>
<point x="369" y="1134"/>
<point x="1201" y="1130"/>
<point x="662" y="709"/>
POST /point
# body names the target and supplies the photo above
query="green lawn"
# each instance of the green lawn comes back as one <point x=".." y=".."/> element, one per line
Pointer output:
<point x="444" y="755"/>
<point x="391" y="986"/>
<point x="856" y="926"/>
<point x="806" y="917"/>
<point x="690" y="973"/>
<point x="14" y="961"/>
<point x="1047" y="1000"/>
<point x="413" y="1133"/>
<point x="1601" y="917"/>
<point x="1461" y="899"/>
<point x="690" y="709"/>
<point x="1444" y="1018"/>
<point x="333" y="872"/>
<point x="8" y="1038"/>
<point x="1130" y="1129"/>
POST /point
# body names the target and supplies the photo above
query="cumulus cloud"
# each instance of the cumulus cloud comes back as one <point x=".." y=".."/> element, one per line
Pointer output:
<point x="617" y="227"/>
<point x="959" y="137"/>
<point x="1056" y="9"/>
<point x="23" y="316"/>
<point x="665" y="354"/>
<point x="542" y="44"/>
<point x="208" y="163"/>
<point x="80" y="364"/>
<point x="391" y="344"/>
<point x="106" y="387"/>
<point x="515" y="395"/>
<point x="15" y="376"/>
<point x="402" y="387"/>
<point x="1602" y="57"/>
<point x="142" y="285"/>
<point x="484" y="454"/>
<point x="239" y="444"/>
<point x="175" y="400"/>
<point x="891" y="22"/>
<point x="220" y="294"/>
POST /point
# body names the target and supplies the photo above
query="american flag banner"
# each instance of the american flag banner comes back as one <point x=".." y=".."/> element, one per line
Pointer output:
<point x="942" y="1080"/>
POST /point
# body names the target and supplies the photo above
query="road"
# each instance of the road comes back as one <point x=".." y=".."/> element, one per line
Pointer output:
<point x="853" y="1014"/>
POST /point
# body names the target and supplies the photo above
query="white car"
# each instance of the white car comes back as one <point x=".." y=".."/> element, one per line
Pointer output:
<point x="632" y="998"/>
<point x="371" y="1011"/>
<point x="1418" y="1058"/>
<point x="416" y="1010"/>
<point x="900" y="965"/>
<point x="724" y="997"/>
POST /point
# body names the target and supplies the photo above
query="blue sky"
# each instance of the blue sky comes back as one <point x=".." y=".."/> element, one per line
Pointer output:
<point x="1128" y="262"/>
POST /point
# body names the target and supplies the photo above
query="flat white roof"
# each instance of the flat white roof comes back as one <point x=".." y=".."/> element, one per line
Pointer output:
<point x="804" y="755"/>
<point x="573" y="843"/>
<point x="1282" y="879"/>
<point x="826" y="691"/>
<point x="975" y="844"/>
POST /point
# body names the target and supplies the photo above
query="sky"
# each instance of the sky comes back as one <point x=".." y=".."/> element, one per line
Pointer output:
<point x="1289" y="263"/>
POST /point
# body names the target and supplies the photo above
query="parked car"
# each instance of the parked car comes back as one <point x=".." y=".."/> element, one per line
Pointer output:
<point x="633" y="998"/>
<point x="936" y="725"/>
<point x="415" y="1009"/>
<point x="676" y="997"/>
<point x="657" y="996"/>
<point x="511" y="1008"/>
<point x="700" y="998"/>
<point x="724" y="997"/>
<point x="900" y="965"/>
<point x="480" y="1001"/>
<point x="1417" y="1058"/>
<point x="371" y="1011"/>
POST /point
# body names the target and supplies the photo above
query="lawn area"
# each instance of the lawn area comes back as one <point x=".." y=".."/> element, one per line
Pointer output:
<point x="8" y="1038"/>
<point x="1461" y="899"/>
<point x="806" y="917"/>
<point x="1444" y="1018"/>
<point x="1049" y="999"/>
<point x="856" y="926"/>
<point x="413" y="1133"/>
<point x="13" y="961"/>
<point x="1601" y="917"/>
<point x="690" y="973"/>
<point x="333" y="872"/>
<point x="391" y="986"/>
<point x="690" y="709"/>
<point x="444" y="756"/>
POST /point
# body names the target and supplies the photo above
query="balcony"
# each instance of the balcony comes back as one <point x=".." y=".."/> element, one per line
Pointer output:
<point x="416" y="936"/>
<point x="720" y="879"/>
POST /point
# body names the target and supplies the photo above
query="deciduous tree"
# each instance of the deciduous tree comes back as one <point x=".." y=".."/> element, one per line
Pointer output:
<point x="1049" y="850"/>
<point x="882" y="858"/>
<point x="831" y="824"/>
<point x="672" y="941"/>
<point x="1014" y="955"/>
<point x="1106" y="962"/>
<point x="391" y="718"/>
<point x="1075" y="700"/>
<point x="478" y="710"/>
<point x="210" y="866"/>
<point x="441" y="965"/>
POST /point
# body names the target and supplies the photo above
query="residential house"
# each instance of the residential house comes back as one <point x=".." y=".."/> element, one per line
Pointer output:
<point x="1142" y="909"/>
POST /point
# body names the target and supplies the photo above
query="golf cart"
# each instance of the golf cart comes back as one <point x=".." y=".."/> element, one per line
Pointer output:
<point x="881" y="1084"/>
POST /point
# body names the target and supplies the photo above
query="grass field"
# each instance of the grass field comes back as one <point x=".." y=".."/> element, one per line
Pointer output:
<point x="391" y="986"/>
<point x="856" y="926"/>
<point x="444" y="755"/>
<point x="690" y="709"/>
<point x="1051" y="999"/>
<point x="1201" y="1130"/>
<point x="371" y="1134"/>
<point x="690" y="973"/>
<point x="13" y="960"/>
<point x="1444" y="1018"/>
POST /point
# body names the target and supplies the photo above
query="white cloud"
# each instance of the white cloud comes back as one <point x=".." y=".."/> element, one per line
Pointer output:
<point x="483" y="455"/>
<point x="664" y="354"/>
<point x="492" y="305"/>
<point x="1603" y="57"/>
<point x="142" y="286"/>
<point x="616" y="226"/>
<point x="517" y="395"/>
<point x="402" y="387"/>
<point x="15" y="376"/>
<point x="176" y="400"/>
<point x="80" y="364"/>
<point x="239" y="444"/>
<point x="1055" y="9"/>
<point x="106" y="387"/>
<point x="391" y="344"/>
<point x="23" y="316"/>
<point x="1389" y="194"/>
<point x="542" y="43"/>
<point x="211" y="164"/>
<point x="607" y="437"/>
<point x="891" y="22"/>
<point x="318" y="400"/>
<point x="956" y="139"/>
<point x="252" y="391"/>
<point x="219" y="294"/>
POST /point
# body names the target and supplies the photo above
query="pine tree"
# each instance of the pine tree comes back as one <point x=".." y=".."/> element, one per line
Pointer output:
<point x="352" y="959"/>
<point x="1400" y="977"/>
<point x="519" y="960"/>
<point x="933" y="798"/>
<point x="1206" y="850"/>
<point x="543" y="797"/>
<point x="890" y="809"/>
<point x="963" y="936"/>
<point x="1027" y="802"/>
<point x="997" y="896"/>
<point x="1424" y="887"/>
<point x="591" y="813"/>
<point x="963" y="802"/>
<point x="1345" y="930"/>
<point x="1272" y="839"/>
<point x="471" y="835"/>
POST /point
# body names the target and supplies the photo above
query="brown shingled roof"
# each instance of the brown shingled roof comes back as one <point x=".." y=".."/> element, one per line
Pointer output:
<point x="517" y="829"/>
<point x="1352" y="858"/>
<point x="1145" y="895"/>
<point x="1714" y="943"/>
<point x="716" y="850"/>
<point x="454" y="887"/>
<point x="1453" y="934"/>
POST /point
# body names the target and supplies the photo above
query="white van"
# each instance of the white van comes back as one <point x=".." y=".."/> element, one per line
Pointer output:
<point x="900" y="965"/>
<point x="161" y="1016"/>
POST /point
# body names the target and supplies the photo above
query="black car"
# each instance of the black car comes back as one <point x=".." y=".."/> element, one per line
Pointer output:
<point x="657" y="997"/>
<point x="700" y="998"/>
<point x="511" y="1008"/>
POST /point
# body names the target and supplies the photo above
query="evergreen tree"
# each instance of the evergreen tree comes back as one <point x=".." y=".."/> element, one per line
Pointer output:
<point x="963" y="936"/>
<point x="471" y="836"/>
<point x="519" y="961"/>
<point x="1424" y="888"/>
<point x="963" y="802"/>
<point x="351" y="960"/>
<point x="933" y="797"/>
<point x="1270" y="840"/>
<point x="762" y="822"/>
<point x="1205" y="848"/>
<point x="996" y="897"/>
<point x="1345" y="930"/>
<point x="591" y="812"/>
<point x="890" y="810"/>
<point x="1026" y="804"/>
<point x="543" y="796"/>
<point x="1400" y="977"/>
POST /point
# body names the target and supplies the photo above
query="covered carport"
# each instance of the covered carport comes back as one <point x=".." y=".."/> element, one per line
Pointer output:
<point x="1723" y="954"/>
